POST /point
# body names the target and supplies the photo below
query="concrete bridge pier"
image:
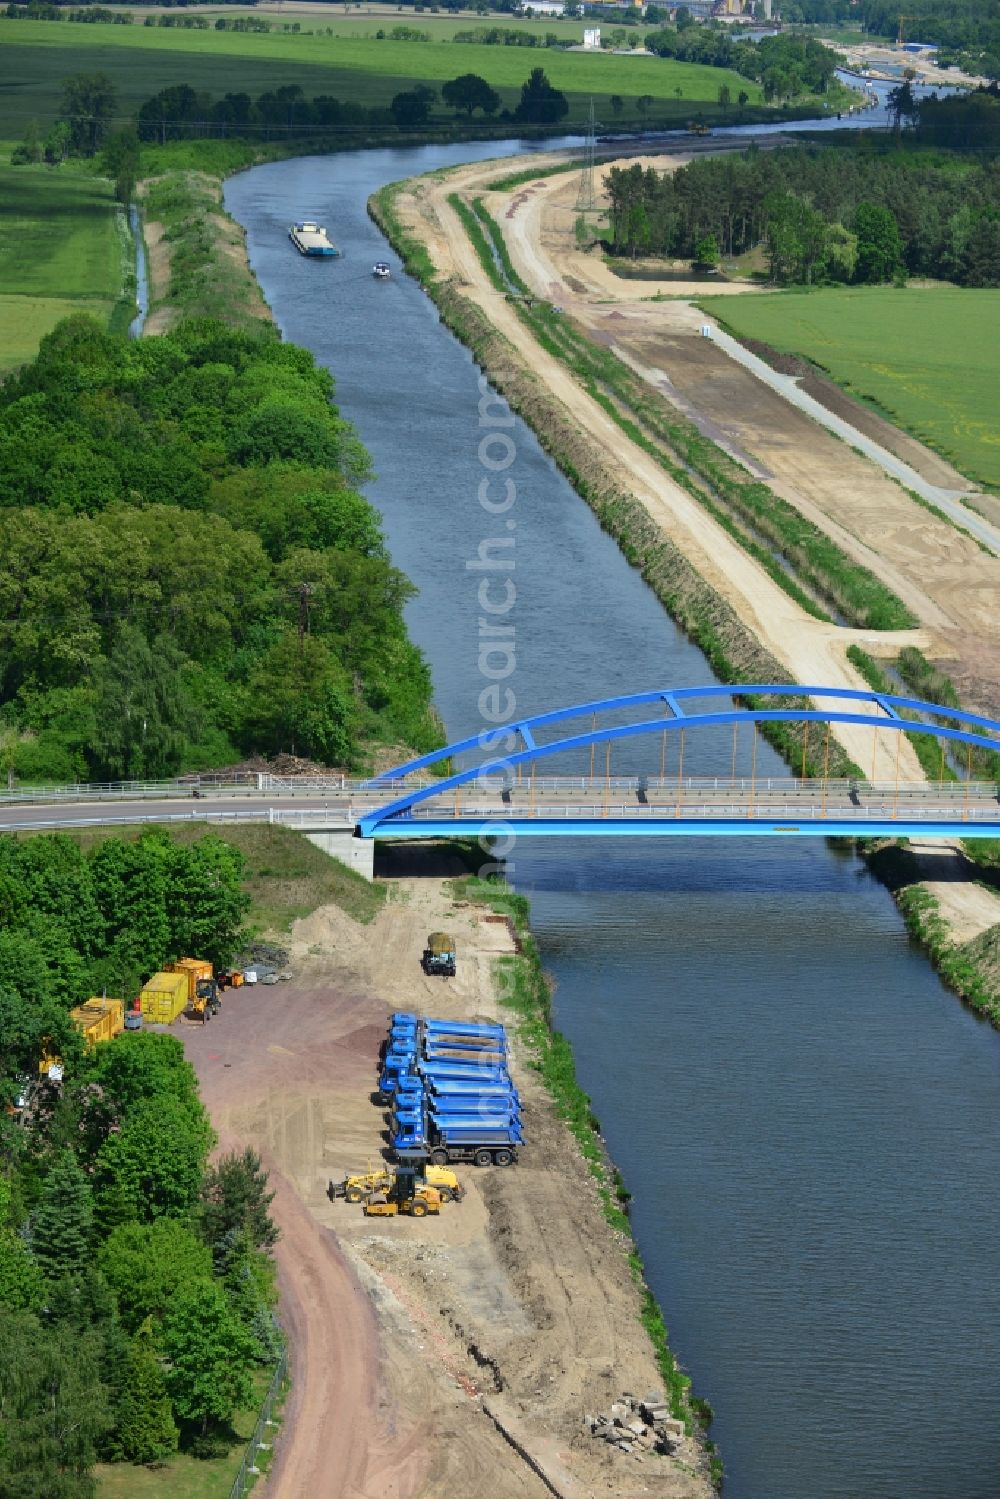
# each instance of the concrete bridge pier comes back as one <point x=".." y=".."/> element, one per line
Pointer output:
<point x="340" y="843"/>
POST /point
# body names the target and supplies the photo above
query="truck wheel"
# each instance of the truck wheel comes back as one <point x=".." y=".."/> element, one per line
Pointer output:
<point x="354" y="1194"/>
<point x="439" y="1158"/>
<point x="483" y="1158"/>
<point x="503" y="1157"/>
<point x="418" y="1209"/>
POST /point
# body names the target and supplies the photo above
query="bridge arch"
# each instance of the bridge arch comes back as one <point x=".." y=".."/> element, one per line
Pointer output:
<point x="860" y="707"/>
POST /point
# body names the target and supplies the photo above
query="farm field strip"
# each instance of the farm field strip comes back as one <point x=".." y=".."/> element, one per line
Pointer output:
<point x="24" y="322"/>
<point x="927" y="357"/>
<point x="37" y="55"/>
<point x="60" y="253"/>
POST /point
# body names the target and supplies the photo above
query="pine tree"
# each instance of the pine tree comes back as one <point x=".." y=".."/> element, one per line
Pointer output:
<point x="235" y="1197"/>
<point x="146" y="1430"/>
<point x="62" y="1225"/>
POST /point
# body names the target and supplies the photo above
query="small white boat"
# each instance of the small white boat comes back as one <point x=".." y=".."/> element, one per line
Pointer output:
<point x="311" y="239"/>
<point x="381" y="270"/>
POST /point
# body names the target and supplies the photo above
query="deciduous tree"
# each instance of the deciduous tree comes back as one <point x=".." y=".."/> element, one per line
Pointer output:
<point x="210" y="1357"/>
<point x="88" y="103"/>
<point x="147" y="1264"/>
<point x="469" y="92"/>
<point x="152" y="1168"/>
<point x="879" y="248"/>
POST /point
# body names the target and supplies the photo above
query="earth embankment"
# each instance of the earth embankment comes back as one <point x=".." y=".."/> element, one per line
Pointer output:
<point x="446" y="1355"/>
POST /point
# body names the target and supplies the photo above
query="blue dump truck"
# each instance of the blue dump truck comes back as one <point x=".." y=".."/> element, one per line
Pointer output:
<point x="458" y="1087"/>
<point x="451" y="1093"/>
<point x="412" y="1094"/>
<point x="467" y="1108"/>
<point x="458" y="1138"/>
<point x="439" y="955"/>
<point x="432" y="1027"/>
<point x="402" y="1068"/>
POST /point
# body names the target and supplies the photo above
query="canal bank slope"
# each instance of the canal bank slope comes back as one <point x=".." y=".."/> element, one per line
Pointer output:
<point x="732" y="607"/>
<point x="436" y="1358"/>
<point x="447" y="1355"/>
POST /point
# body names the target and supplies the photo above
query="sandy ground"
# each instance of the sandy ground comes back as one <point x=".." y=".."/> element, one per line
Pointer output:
<point x="811" y="649"/>
<point x="422" y="1351"/>
<point x="158" y="273"/>
<point x="949" y="582"/>
<point x="878" y="58"/>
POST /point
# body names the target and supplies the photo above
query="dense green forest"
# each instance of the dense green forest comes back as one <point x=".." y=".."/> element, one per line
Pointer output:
<point x="785" y="66"/>
<point x="136" y="1288"/>
<point x="966" y="31"/>
<point x="821" y="214"/>
<point x="189" y="574"/>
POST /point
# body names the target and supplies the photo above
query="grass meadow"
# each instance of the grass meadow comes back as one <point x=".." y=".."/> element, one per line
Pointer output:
<point x="35" y="56"/>
<point x="927" y="357"/>
<point x="186" y="1477"/>
<point x="60" y="253"/>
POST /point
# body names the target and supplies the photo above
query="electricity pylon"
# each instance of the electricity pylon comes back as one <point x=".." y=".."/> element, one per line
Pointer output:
<point x="585" y="197"/>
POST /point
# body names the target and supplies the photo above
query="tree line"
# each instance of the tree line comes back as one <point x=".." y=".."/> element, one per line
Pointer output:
<point x="179" y="112"/>
<point x="820" y="215"/>
<point x="189" y="572"/>
<point x="785" y="66"/>
<point x="136" y="1285"/>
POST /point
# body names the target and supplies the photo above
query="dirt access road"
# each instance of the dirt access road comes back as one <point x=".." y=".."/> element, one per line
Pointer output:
<point x="427" y="1356"/>
<point x="812" y="650"/>
<point x="945" y="577"/>
<point x="948" y="581"/>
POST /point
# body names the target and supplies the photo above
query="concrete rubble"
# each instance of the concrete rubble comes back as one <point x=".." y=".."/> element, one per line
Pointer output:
<point x="638" y="1426"/>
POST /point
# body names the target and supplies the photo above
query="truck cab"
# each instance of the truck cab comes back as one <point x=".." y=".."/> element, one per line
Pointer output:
<point x="439" y="955"/>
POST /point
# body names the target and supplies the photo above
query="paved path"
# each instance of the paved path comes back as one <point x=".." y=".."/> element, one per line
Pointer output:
<point x="788" y="387"/>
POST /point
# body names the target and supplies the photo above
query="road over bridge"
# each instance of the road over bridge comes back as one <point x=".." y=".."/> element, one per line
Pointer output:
<point x="501" y="793"/>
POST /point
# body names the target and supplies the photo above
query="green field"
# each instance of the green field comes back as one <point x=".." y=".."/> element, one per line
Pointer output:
<point x="35" y="56"/>
<point x="183" y="1476"/>
<point x="441" y="27"/>
<point x="60" y="253"/>
<point x="927" y="357"/>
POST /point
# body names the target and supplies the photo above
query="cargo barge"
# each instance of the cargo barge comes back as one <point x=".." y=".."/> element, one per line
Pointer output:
<point x="312" y="239"/>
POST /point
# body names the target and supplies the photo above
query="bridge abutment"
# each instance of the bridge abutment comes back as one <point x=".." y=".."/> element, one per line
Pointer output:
<point x="340" y="843"/>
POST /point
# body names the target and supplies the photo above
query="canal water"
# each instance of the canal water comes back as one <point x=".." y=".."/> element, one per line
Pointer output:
<point x="807" y="1119"/>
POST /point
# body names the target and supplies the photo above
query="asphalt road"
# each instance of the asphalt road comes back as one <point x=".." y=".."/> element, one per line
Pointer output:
<point x="549" y="799"/>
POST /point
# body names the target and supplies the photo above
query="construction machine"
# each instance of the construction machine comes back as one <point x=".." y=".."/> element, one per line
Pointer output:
<point x="404" y="1198"/>
<point x="439" y="955"/>
<point x="359" y="1185"/>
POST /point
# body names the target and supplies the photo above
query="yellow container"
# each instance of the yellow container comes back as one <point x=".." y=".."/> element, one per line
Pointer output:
<point x="164" y="997"/>
<point x="99" y="1019"/>
<point x="196" y="969"/>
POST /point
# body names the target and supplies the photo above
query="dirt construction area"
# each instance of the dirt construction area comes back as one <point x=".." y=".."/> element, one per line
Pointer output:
<point x="944" y="576"/>
<point x="443" y="1356"/>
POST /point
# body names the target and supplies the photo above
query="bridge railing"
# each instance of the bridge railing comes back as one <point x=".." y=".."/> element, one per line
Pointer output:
<point x="83" y="791"/>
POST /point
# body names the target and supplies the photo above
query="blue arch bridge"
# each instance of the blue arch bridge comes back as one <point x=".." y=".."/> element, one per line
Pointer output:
<point x="505" y="790"/>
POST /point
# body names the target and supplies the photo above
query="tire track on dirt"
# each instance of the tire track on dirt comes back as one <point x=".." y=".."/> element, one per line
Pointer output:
<point x="342" y="1447"/>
